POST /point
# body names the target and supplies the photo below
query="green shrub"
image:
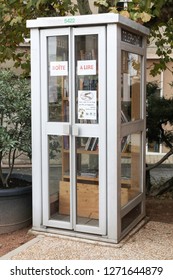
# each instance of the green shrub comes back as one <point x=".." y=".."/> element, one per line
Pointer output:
<point x="15" y="120"/>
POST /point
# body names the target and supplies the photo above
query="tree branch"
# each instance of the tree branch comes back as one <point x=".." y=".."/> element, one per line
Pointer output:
<point x="165" y="157"/>
<point x="84" y="7"/>
<point x="164" y="188"/>
<point x="1" y="174"/>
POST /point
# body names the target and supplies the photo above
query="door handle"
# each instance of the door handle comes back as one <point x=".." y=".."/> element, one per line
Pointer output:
<point x="66" y="129"/>
<point x="75" y="130"/>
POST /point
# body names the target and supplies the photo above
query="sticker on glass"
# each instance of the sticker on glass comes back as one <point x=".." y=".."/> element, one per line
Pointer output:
<point x="86" y="67"/>
<point x="58" y="68"/>
<point x="87" y="106"/>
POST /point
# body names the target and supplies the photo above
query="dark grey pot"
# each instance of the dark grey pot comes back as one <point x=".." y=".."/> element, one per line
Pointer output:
<point x="16" y="206"/>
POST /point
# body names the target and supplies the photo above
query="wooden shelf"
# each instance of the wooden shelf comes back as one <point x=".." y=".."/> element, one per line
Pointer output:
<point x="82" y="151"/>
<point x="82" y="178"/>
<point x="126" y="181"/>
<point x="126" y="155"/>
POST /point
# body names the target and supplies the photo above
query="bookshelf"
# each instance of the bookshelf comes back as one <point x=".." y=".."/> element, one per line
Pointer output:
<point x="87" y="178"/>
<point x="87" y="148"/>
<point x="86" y="100"/>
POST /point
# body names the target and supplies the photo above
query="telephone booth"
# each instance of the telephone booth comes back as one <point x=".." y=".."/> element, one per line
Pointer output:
<point x="88" y="125"/>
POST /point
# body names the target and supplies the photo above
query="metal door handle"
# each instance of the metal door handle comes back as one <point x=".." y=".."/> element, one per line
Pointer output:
<point x="75" y="130"/>
<point x="66" y="129"/>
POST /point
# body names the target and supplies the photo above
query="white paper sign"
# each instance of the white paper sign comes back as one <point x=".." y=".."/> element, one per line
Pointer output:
<point x="58" y="68"/>
<point x="86" y="67"/>
<point x="87" y="106"/>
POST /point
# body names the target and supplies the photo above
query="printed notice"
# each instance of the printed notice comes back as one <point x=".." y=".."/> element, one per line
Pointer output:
<point x="86" y="67"/>
<point x="87" y="107"/>
<point x="58" y="68"/>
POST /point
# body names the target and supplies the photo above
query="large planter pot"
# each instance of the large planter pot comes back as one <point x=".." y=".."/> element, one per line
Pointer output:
<point x="16" y="206"/>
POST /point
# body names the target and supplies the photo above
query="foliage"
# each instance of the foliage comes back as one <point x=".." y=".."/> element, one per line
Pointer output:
<point x="155" y="14"/>
<point x="84" y="7"/>
<point x="15" y="120"/>
<point x="13" y="16"/>
<point x="159" y="120"/>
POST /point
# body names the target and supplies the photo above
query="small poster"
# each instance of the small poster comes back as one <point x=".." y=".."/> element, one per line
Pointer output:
<point x="87" y="106"/>
<point x="86" y="67"/>
<point x="58" y="68"/>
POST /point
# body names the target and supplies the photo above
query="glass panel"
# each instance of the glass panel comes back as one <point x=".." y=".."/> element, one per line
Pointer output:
<point x="86" y="60"/>
<point x="58" y="82"/>
<point x="87" y="165"/>
<point x="130" y="217"/>
<point x="130" y="86"/>
<point x="59" y="169"/>
<point x="130" y="167"/>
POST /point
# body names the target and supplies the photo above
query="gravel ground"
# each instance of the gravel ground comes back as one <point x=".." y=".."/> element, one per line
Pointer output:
<point x="153" y="241"/>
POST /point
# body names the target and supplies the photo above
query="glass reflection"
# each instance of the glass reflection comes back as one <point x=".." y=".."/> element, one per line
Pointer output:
<point x="59" y="185"/>
<point x="131" y="86"/>
<point x="86" y="61"/>
<point x="58" y="82"/>
<point x="87" y="161"/>
<point x="130" y="167"/>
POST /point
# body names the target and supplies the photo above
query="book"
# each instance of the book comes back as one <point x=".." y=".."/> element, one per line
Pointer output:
<point x="89" y="173"/>
<point x="123" y="117"/>
<point x="66" y="142"/>
<point x="88" y="144"/>
<point x="94" y="144"/>
<point x="82" y="55"/>
<point x="65" y="88"/>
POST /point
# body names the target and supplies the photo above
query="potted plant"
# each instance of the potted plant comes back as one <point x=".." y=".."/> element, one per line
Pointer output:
<point x="15" y="139"/>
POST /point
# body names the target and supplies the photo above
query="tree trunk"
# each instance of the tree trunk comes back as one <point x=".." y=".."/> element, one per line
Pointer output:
<point x="84" y="7"/>
<point x="2" y="179"/>
<point x="164" y="188"/>
<point x="103" y="9"/>
<point x="165" y="157"/>
<point x="148" y="181"/>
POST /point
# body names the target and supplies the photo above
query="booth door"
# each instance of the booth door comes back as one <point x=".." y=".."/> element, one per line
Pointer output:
<point x="73" y="100"/>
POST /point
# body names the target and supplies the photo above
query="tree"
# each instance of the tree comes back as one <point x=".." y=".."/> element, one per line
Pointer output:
<point x="159" y="120"/>
<point x="15" y="121"/>
<point x="84" y="7"/>
<point x="159" y="129"/>
<point x="13" y="16"/>
<point x="155" y="14"/>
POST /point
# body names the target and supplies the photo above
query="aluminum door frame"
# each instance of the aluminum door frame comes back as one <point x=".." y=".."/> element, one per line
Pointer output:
<point x="54" y="128"/>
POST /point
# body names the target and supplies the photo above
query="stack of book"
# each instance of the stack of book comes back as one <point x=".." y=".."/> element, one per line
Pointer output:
<point x="88" y="173"/>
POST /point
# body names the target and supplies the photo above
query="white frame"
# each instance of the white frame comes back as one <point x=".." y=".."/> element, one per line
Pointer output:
<point x="36" y="129"/>
<point x="134" y="127"/>
<point x="50" y="128"/>
<point x="94" y="130"/>
<point x="58" y="128"/>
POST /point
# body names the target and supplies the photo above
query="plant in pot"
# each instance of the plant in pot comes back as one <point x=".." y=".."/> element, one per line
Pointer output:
<point x="15" y="139"/>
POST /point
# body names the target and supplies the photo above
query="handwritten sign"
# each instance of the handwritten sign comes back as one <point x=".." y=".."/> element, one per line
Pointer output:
<point x="86" y="67"/>
<point x="58" y="68"/>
